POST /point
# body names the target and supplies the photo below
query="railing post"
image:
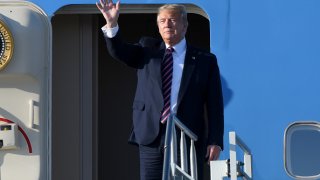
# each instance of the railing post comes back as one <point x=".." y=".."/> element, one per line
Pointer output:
<point x="183" y="153"/>
<point x="173" y="150"/>
<point x="193" y="161"/>
<point x="170" y="152"/>
<point x="233" y="156"/>
<point x="166" y="161"/>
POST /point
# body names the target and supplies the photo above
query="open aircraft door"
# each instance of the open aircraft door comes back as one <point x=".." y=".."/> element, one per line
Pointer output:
<point x="25" y="56"/>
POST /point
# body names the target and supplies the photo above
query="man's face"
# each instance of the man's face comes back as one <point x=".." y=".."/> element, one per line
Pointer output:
<point x="171" y="26"/>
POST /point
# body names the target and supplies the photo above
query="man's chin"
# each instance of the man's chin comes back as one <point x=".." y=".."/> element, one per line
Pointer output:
<point x="169" y="35"/>
<point x="169" y="38"/>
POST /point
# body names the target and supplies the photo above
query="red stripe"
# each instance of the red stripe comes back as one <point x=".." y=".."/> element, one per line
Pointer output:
<point x="166" y="89"/>
<point x="168" y="79"/>
<point x="166" y="74"/>
<point x="164" y="119"/>
<point x="167" y="104"/>
<point x="165" y="113"/>
<point x="22" y="132"/>
<point x="167" y="64"/>
<point x="166" y="85"/>
<point x="168" y="96"/>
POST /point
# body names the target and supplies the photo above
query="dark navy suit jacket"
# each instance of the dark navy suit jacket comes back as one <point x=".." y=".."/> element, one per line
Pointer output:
<point x="199" y="95"/>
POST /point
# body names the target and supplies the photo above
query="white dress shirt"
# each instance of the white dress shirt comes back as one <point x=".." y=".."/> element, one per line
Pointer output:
<point x="178" y="64"/>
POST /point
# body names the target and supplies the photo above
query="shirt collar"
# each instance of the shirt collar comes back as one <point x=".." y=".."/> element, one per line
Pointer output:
<point x="180" y="47"/>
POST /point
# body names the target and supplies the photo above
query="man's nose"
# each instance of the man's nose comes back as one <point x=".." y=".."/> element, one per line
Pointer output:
<point x="168" y="23"/>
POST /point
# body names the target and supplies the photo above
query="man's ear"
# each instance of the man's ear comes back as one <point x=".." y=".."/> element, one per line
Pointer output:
<point x="186" y="27"/>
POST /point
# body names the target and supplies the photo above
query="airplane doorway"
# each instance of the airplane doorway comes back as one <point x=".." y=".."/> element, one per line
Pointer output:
<point x="92" y="94"/>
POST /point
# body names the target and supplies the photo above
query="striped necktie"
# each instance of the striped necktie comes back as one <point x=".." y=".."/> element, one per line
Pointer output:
<point x="166" y="73"/>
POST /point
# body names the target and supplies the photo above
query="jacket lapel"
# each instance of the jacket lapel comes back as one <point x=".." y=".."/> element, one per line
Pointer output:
<point x="189" y="65"/>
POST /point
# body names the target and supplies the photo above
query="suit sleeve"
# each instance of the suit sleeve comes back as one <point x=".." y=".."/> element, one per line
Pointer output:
<point x="129" y="54"/>
<point x="215" y="106"/>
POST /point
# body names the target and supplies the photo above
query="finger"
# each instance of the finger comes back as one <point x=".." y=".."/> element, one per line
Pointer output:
<point x="98" y="6"/>
<point x="211" y="156"/>
<point x="102" y="3"/>
<point x="109" y="3"/>
<point x="217" y="155"/>
<point x="118" y="5"/>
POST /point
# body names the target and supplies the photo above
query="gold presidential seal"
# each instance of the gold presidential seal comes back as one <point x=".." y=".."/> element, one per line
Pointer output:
<point x="6" y="45"/>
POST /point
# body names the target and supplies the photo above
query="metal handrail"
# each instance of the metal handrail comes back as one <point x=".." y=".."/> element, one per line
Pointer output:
<point x="221" y="169"/>
<point x="247" y="171"/>
<point x="170" y="166"/>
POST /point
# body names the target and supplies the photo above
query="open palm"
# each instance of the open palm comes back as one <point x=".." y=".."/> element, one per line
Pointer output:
<point x="110" y="11"/>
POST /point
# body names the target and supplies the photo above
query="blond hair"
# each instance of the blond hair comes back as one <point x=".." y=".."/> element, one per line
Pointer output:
<point x="181" y="9"/>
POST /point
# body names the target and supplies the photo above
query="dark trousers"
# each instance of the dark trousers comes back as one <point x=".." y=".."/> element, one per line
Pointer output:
<point x="151" y="158"/>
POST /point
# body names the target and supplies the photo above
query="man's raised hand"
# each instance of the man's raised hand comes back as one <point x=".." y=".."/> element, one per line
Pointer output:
<point x="110" y="12"/>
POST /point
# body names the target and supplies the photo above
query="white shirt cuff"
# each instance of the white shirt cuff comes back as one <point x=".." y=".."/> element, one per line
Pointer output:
<point x="110" y="32"/>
